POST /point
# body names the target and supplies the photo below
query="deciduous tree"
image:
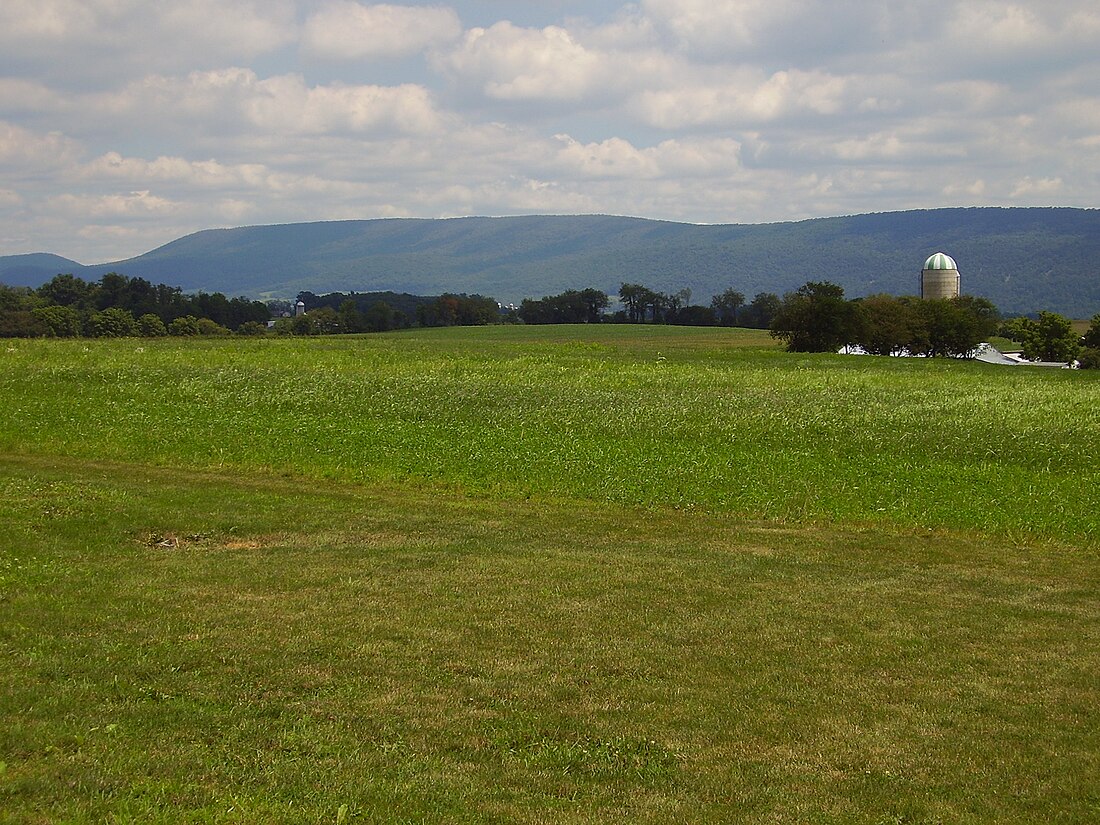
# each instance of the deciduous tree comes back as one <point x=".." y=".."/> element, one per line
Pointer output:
<point x="816" y="318"/>
<point x="112" y="322"/>
<point x="1050" y="338"/>
<point x="60" y="321"/>
<point x="726" y="306"/>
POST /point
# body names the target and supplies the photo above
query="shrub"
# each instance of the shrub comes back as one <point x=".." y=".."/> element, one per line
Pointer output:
<point x="1089" y="359"/>
<point x="1091" y="338"/>
<point x="252" y="328"/>
<point x="208" y="327"/>
<point x="112" y="323"/>
<point x="185" y="325"/>
<point x="59" y="321"/>
<point x="150" y="326"/>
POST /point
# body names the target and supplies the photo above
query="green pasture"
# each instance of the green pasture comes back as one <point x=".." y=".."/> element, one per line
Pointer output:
<point x="641" y="416"/>
<point x="544" y="575"/>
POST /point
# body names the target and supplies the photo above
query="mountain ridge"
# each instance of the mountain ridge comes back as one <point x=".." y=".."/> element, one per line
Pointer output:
<point x="1022" y="259"/>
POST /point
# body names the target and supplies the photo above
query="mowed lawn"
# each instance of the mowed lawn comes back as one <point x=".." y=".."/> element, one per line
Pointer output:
<point x="544" y="575"/>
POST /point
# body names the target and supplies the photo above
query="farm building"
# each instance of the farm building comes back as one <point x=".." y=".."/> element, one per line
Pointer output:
<point x="940" y="277"/>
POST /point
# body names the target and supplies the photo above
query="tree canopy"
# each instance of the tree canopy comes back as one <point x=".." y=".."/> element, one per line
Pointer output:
<point x="816" y="318"/>
<point x="68" y="306"/>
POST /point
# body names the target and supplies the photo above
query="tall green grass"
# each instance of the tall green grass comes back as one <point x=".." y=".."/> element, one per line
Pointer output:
<point x="688" y="418"/>
<point x="544" y="575"/>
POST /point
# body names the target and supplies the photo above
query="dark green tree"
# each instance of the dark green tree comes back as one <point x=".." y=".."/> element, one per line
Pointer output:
<point x="694" y="315"/>
<point x="242" y="311"/>
<point x="596" y="302"/>
<point x="1089" y="358"/>
<point x="351" y="319"/>
<point x="759" y="313"/>
<point x="1049" y="338"/>
<point x="60" y="321"/>
<point x="887" y="324"/>
<point x="816" y="318"/>
<point x="635" y="299"/>
<point x="1091" y="338"/>
<point x="325" y="320"/>
<point x="570" y="307"/>
<point x="658" y="305"/>
<point x="212" y="305"/>
<point x="150" y="326"/>
<point x="112" y="322"/>
<point x="985" y="316"/>
<point x="252" y="328"/>
<point x="726" y="306"/>
<point x="304" y="325"/>
<point x="948" y="328"/>
<point x="69" y="291"/>
<point x="379" y="318"/>
<point x="112" y="291"/>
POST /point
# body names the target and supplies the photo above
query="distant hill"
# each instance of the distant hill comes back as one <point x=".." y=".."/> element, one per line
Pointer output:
<point x="1021" y="259"/>
<point x="34" y="269"/>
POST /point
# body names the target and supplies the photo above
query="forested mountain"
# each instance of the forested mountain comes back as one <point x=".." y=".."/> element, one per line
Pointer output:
<point x="1023" y="260"/>
<point x="35" y="269"/>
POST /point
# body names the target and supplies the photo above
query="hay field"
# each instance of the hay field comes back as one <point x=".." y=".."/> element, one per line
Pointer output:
<point x="544" y="574"/>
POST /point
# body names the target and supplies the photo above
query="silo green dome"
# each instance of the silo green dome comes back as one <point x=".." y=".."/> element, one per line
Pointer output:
<point x="940" y="261"/>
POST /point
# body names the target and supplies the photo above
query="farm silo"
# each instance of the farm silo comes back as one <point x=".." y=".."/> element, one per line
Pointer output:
<point x="940" y="277"/>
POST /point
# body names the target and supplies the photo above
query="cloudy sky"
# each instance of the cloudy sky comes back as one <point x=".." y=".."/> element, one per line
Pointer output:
<point x="125" y="124"/>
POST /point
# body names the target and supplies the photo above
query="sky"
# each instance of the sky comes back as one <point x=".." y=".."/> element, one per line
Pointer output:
<point x="125" y="124"/>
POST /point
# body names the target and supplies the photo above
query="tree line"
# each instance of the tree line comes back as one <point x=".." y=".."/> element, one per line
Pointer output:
<point x="118" y="306"/>
<point x="814" y="318"/>
<point x="642" y="305"/>
<point x="337" y="313"/>
<point x="817" y="318"/>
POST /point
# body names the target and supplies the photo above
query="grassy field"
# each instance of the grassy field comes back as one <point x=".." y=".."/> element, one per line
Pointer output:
<point x="544" y="575"/>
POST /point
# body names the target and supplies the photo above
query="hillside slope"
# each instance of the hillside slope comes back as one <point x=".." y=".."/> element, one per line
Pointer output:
<point x="1021" y="259"/>
<point x="35" y="268"/>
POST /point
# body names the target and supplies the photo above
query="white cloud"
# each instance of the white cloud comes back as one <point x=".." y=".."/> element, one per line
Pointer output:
<point x="618" y="158"/>
<point x="512" y="63"/>
<point x="17" y="94"/>
<point x="998" y="26"/>
<point x="40" y="22"/>
<point x="73" y="41"/>
<point x="234" y="29"/>
<point x="236" y="100"/>
<point x="1022" y="30"/>
<point x="345" y="30"/>
<point x="612" y="158"/>
<point x="124" y="123"/>
<point x="1028" y="187"/>
<point x="729" y="25"/>
<point x="205" y="174"/>
<point x="781" y="33"/>
<point x="29" y="154"/>
<point x="746" y="97"/>
<point x="286" y="105"/>
<point x="881" y="146"/>
<point x="116" y="205"/>
<point x="975" y="189"/>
